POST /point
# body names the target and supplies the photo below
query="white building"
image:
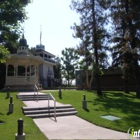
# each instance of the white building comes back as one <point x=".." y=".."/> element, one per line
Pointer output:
<point x="24" y="69"/>
<point x="46" y="73"/>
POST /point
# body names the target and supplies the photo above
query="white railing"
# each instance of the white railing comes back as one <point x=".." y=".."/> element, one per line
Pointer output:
<point x="20" y="80"/>
<point x="36" y="90"/>
<point x="50" y="97"/>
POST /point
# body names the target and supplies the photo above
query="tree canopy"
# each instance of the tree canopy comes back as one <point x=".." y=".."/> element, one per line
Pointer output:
<point x="69" y="64"/>
<point x="3" y="54"/>
<point x="125" y="17"/>
<point x="92" y="34"/>
<point x="97" y="17"/>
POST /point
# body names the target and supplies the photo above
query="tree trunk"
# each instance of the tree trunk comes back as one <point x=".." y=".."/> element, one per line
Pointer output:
<point x="87" y="81"/>
<point x="91" y="81"/>
<point x="135" y="58"/>
<point x="68" y="80"/>
<point x="126" y="86"/>
<point x="98" y="85"/>
<point x="95" y="47"/>
<point x="137" y="74"/>
<point x="136" y="67"/>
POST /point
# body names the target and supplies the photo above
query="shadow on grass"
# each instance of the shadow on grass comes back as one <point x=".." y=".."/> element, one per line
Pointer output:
<point x="125" y="106"/>
<point x="1" y="122"/>
<point x="1" y="113"/>
<point x="87" y="110"/>
<point x="135" y="122"/>
<point x="89" y="101"/>
<point x="118" y="101"/>
<point x="9" y="113"/>
<point x="118" y="94"/>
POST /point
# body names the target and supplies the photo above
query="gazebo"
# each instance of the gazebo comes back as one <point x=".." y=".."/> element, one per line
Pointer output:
<point x="22" y="68"/>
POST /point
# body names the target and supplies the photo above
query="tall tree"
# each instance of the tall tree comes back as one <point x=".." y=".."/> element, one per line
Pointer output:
<point x="126" y="20"/>
<point x="69" y="59"/>
<point x="12" y="14"/>
<point x="92" y="33"/>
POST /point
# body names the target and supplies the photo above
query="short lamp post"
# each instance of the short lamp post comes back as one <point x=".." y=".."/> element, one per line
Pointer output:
<point x="84" y="102"/>
<point x="60" y="92"/>
<point x="20" y="135"/>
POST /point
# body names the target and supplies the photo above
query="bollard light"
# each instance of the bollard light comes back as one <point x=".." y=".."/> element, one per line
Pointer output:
<point x="8" y="92"/>
<point x="20" y="126"/>
<point x="20" y="135"/>
<point x="11" y="105"/>
<point x="11" y="100"/>
<point x="84" y="102"/>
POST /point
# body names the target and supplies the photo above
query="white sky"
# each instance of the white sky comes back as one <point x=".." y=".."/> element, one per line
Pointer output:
<point x="55" y="17"/>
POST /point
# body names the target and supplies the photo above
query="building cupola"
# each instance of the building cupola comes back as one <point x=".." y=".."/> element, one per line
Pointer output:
<point x="23" y="42"/>
<point x="23" y="47"/>
<point x="40" y="47"/>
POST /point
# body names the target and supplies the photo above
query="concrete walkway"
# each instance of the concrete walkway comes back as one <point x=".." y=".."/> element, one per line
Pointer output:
<point x="71" y="127"/>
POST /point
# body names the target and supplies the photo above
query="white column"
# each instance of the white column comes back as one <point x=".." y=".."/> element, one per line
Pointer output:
<point x="33" y="70"/>
<point x="30" y="73"/>
<point x="26" y="73"/>
<point x="37" y="73"/>
<point x="6" y="72"/>
<point x="16" y="73"/>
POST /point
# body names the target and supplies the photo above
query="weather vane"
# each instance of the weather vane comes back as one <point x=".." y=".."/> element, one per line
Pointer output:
<point x="40" y="34"/>
<point x="23" y="30"/>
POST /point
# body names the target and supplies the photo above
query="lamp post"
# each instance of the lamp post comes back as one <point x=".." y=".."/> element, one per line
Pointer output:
<point x="60" y="92"/>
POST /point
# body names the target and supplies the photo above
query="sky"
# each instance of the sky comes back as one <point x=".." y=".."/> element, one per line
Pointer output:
<point x="55" y="18"/>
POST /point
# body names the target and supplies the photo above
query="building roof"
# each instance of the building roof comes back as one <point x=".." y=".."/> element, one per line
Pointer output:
<point x="23" y="42"/>
<point x="43" y="51"/>
<point x="24" y="58"/>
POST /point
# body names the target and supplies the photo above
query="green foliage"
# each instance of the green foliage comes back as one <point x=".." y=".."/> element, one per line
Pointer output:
<point x="3" y="54"/>
<point x="92" y="33"/>
<point x="12" y="15"/>
<point x="69" y="59"/>
<point x="126" y="37"/>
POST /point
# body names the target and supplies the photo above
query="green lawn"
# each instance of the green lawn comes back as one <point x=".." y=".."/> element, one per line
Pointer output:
<point x="119" y="104"/>
<point x="9" y="126"/>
